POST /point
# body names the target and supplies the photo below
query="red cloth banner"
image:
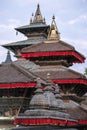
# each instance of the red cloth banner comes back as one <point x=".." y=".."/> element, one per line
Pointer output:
<point x="83" y="122"/>
<point x="44" y="121"/>
<point x="17" y="85"/>
<point x="69" y="81"/>
<point x="30" y="85"/>
<point x="64" y="53"/>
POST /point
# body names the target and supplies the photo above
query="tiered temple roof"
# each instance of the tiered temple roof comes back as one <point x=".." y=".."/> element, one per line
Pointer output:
<point x="53" y="49"/>
<point x="43" y="52"/>
<point x="69" y="80"/>
<point x="36" y="32"/>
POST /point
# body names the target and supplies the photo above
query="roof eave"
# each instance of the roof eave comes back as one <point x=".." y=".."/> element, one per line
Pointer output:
<point x="79" y="57"/>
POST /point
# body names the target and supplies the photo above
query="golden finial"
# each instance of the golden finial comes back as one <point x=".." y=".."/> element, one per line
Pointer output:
<point x="53" y="34"/>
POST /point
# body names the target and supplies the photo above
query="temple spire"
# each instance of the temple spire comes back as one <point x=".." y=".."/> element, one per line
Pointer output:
<point x="38" y="16"/>
<point x="38" y="90"/>
<point x="49" y="84"/>
<point x="8" y="57"/>
<point x="53" y="34"/>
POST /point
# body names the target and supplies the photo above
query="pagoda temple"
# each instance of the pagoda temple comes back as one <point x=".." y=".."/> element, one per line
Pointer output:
<point x="51" y="102"/>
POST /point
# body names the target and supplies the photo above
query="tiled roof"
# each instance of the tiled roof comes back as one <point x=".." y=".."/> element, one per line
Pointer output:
<point x="26" y="42"/>
<point x="32" y="26"/>
<point x="75" y="111"/>
<point x="47" y="47"/>
<point x="58" y="72"/>
<point x="13" y="73"/>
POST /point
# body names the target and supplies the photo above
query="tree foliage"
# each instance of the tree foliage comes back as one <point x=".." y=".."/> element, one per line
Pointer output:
<point x="85" y="71"/>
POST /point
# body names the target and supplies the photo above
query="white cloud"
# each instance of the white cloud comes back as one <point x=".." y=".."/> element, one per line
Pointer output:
<point x="12" y="23"/>
<point x="4" y="27"/>
<point x="78" y="19"/>
<point x="84" y="1"/>
<point x="79" y="44"/>
<point x="82" y="43"/>
<point x="7" y="32"/>
<point x="2" y="42"/>
<point x="27" y="2"/>
<point x="80" y="67"/>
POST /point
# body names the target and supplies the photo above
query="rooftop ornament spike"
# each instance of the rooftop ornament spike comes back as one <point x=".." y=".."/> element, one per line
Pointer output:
<point x="38" y="16"/>
<point x="49" y="85"/>
<point x="48" y="79"/>
<point x="53" y="35"/>
<point x="38" y="90"/>
<point x="58" y="97"/>
<point x="8" y="58"/>
<point x="31" y="19"/>
<point x="57" y="91"/>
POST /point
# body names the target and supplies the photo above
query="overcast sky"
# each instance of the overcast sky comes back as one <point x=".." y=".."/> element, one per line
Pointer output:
<point x="71" y="19"/>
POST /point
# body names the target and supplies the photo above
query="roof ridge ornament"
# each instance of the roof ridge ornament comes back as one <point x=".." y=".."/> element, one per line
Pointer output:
<point x="53" y="34"/>
<point x="38" y="16"/>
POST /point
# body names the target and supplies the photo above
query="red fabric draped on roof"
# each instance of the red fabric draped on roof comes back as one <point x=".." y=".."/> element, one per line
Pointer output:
<point x="83" y="122"/>
<point x="65" y="53"/>
<point x="17" y="85"/>
<point x="29" y="85"/>
<point x="44" y="121"/>
<point x="65" y="81"/>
